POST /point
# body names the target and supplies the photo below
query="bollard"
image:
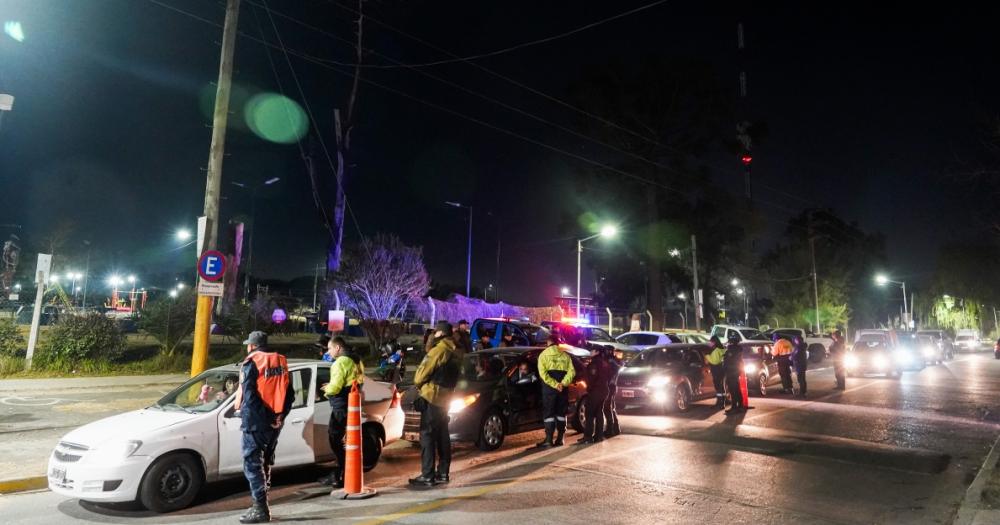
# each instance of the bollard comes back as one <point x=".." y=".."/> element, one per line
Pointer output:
<point x="353" y="466"/>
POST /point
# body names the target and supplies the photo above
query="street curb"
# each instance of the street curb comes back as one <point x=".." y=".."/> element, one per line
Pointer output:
<point x="974" y="494"/>
<point x="23" y="485"/>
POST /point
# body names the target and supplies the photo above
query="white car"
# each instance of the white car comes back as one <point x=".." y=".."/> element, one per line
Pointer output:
<point x="163" y="454"/>
<point x="642" y="340"/>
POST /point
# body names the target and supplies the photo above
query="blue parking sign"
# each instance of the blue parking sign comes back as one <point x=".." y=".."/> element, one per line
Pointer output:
<point x="212" y="265"/>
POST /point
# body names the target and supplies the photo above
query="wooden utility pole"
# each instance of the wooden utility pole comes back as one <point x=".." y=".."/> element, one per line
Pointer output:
<point x="812" y="250"/>
<point x="203" y="315"/>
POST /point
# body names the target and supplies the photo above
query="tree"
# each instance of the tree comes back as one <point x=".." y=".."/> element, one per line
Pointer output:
<point x="170" y="320"/>
<point x="380" y="279"/>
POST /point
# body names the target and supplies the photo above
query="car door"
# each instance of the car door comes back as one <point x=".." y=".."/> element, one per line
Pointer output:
<point x="694" y="365"/>
<point x="321" y="416"/>
<point x="526" y="399"/>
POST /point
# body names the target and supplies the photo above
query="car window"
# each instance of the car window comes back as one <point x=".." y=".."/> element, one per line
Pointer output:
<point x="597" y="335"/>
<point x="752" y="333"/>
<point x="322" y="378"/>
<point x="483" y="367"/>
<point x="657" y="357"/>
<point x="864" y="346"/>
<point x="641" y="339"/>
<point x="719" y="332"/>
<point x="300" y="385"/>
<point x="485" y="328"/>
<point x="203" y="393"/>
<point x="872" y="338"/>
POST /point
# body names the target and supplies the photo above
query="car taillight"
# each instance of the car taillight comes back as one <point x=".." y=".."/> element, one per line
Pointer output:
<point x="396" y="397"/>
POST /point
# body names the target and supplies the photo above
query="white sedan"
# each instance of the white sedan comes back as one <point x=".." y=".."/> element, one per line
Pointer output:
<point x="163" y="454"/>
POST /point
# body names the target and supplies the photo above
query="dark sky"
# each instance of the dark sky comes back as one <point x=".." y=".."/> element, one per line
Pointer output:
<point x="868" y="109"/>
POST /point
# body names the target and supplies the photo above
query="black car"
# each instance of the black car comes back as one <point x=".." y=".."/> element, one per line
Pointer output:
<point x="488" y="404"/>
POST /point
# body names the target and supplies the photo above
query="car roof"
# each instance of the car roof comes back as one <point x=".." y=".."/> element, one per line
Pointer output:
<point x="520" y="350"/>
<point x="293" y="364"/>
<point x="680" y="346"/>
<point x="515" y="322"/>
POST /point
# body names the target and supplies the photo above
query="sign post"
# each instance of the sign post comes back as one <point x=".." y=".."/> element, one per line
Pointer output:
<point x="41" y="277"/>
<point x="211" y="271"/>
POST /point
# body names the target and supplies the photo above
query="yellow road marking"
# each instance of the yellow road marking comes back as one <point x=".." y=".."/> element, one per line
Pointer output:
<point x="22" y="485"/>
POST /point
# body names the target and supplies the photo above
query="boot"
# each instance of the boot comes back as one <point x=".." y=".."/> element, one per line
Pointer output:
<point x="259" y="513"/>
<point x="559" y="437"/>
<point x="549" y="429"/>
<point x="720" y="402"/>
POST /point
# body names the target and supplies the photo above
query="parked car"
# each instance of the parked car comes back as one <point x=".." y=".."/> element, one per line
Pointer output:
<point x="523" y="332"/>
<point x="996" y="349"/>
<point x="643" y="340"/>
<point x="690" y="336"/>
<point x="487" y="406"/>
<point x="942" y="339"/>
<point x="163" y="454"/>
<point x="744" y="333"/>
<point x="817" y="346"/>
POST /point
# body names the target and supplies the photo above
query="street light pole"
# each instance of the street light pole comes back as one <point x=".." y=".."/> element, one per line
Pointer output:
<point x="468" y="263"/>
<point x="606" y="231"/>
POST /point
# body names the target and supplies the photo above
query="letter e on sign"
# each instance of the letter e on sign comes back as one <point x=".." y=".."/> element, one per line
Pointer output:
<point x="212" y="265"/>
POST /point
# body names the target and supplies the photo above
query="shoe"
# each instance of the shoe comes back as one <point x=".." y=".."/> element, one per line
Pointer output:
<point x="422" y="481"/>
<point x="585" y="441"/>
<point x="247" y="513"/>
<point x="558" y="442"/>
<point x="441" y="479"/>
<point x="598" y="440"/>
<point x="328" y="480"/>
<point x="257" y="514"/>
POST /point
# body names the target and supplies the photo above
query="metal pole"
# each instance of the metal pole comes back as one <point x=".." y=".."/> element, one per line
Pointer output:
<point x="694" y="268"/>
<point x="906" y="310"/>
<point x="253" y="228"/>
<point x="579" y="254"/>
<point x="86" y="277"/>
<point x="36" y="318"/>
<point x="468" y="265"/>
<point x="315" y="285"/>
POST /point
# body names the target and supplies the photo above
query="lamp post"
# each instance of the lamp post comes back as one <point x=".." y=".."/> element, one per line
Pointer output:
<point x="683" y="297"/>
<point x="468" y="263"/>
<point x="253" y="228"/>
<point x="607" y="231"/>
<point x="882" y="280"/>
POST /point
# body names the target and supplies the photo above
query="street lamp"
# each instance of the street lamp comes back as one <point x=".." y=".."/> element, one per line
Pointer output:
<point x="468" y="263"/>
<point x="253" y="227"/>
<point x="674" y="252"/>
<point x="882" y="280"/>
<point x="183" y="235"/>
<point x="564" y="291"/>
<point x="173" y="293"/>
<point x="608" y="231"/>
<point x="735" y="282"/>
<point x="180" y="286"/>
<point x="683" y="297"/>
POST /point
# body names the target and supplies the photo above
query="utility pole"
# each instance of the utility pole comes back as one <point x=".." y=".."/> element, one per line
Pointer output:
<point x="812" y="250"/>
<point x="213" y="183"/>
<point x="315" y="285"/>
<point x="697" y="292"/>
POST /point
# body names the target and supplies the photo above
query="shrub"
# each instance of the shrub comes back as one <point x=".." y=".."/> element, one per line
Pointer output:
<point x="169" y="320"/>
<point x="11" y="341"/>
<point x="76" y="339"/>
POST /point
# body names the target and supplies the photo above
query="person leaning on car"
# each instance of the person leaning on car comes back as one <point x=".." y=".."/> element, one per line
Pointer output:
<point x="435" y="379"/>
<point x="782" y="352"/>
<point x="556" y="370"/>
<point x="345" y="370"/>
<point x="599" y="373"/>
<point x="264" y="399"/>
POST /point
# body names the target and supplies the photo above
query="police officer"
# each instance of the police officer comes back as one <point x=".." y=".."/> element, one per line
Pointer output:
<point x="346" y="369"/>
<point x="732" y="363"/>
<point x="435" y="379"/>
<point x="599" y="372"/>
<point x="463" y="339"/>
<point x="838" y="353"/>
<point x="556" y="370"/>
<point x="612" y="428"/>
<point x="782" y="352"/>
<point x="714" y="357"/>
<point x="800" y="360"/>
<point x="264" y="399"/>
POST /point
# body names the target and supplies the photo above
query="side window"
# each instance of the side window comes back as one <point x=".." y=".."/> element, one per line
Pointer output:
<point x="322" y="378"/>
<point x="627" y="340"/>
<point x="486" y="328"/>
<point x="519" y="338"/>
<point x="300" y="384"/>
<point x="729" y="333"/>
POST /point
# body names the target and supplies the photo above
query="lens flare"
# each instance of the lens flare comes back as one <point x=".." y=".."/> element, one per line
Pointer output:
<point x="276" y="118"/>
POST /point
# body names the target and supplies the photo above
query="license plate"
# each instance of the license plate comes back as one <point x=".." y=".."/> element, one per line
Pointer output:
<point x="628" y="393"/>
<point x="411" y="436"/>
<point x="58" y="474"/>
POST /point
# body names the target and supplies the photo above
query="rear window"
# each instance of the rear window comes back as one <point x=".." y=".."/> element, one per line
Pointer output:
<point x="865" y="346"/>
<point x="752" y="333"/>
<point x="598" y="336"/>
<point x="964" y="338"/>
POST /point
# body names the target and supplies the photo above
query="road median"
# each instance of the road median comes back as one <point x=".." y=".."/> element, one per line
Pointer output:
<point x="13" y="486"/>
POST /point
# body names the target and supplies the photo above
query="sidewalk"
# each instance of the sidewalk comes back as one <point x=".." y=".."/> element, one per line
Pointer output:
<point x="55" y="384"/>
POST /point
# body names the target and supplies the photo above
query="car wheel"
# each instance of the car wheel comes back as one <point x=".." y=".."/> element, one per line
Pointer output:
<point x="491" y="433"/>
<point x="816" y="353"/>
<point x="580" y="413"/>
<point x="762" y="385"/>
<point x="682" y="399"/>
<point x="171" y="483"/>
<point x="371" y="446"/>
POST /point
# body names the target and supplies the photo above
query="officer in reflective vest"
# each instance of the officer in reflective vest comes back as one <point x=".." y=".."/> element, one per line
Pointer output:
<point x="714" y="360"/>
<point x="263" y="400"/>
<point x="556" y="370"/>
<point x="346" y="369"/>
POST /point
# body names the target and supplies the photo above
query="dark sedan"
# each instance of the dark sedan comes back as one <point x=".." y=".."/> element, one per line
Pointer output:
<point x="488" y="404"/>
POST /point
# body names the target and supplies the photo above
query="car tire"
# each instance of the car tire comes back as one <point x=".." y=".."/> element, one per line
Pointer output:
<point x="491" y="431"/>
<point x="579" y="418"/>
<point x="682" y="399"/>
<point x="171" y="483"/>
<point x="816" y="353"/>
<point x="371" y="446"/>
<point x="762" y="385"/>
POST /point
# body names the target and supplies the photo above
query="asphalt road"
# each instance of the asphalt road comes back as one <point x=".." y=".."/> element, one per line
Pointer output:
<point x="884" y="451"/>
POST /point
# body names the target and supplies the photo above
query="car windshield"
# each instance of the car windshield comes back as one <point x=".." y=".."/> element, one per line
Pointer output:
<point x="638" y="339"/>
<point x="872" y="338"/>
<point x="964" y="338"/>
<point x="752" y="333"/>
<point x="867" y="346"/>
<point x="203" y="393"/>
<point x="656" y="357"/>
<point x="538" y="335"/>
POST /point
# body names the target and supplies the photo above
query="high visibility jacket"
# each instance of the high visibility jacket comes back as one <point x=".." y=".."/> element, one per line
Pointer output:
<point x="443" y="354"/>
<point x="714" y="357"/>
<point x="782" y="347"/>
<point x="555" y="367"/>
<point x="265" y="389"/>
<point x="343" y="373"/>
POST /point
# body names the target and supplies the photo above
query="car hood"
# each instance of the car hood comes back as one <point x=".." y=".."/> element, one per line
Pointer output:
<point x="130" y="425"/>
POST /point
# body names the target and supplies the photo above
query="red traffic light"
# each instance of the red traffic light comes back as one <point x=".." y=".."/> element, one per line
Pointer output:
<point x="746" y="159"/>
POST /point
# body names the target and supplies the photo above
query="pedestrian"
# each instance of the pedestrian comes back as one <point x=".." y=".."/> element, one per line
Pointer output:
<point x="611" y="426"/>
<point x="782" y="352"/>
<point x="800" y="360"/>
<point x="714" y="358"/>
<point x="346" y="369"/>
<point x="838" y="353"/>
<point x="732" y="363"/>
<point x="435" y="379"/>
<point x="263" y="400"/>
<point x="507" y="339"/>
<point x="555" y="367"/>
<point x="599" y="372"/>
<point x="463" y="339"/>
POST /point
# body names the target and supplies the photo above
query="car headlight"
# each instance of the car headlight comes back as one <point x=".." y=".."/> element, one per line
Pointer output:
<point x="658" y="382"/>
<point x="903" y="358"/>
<point x="114" y="451"/>
<point x="851" y="361"/>
<point x="928" y="352"/>
<point x="750" y="368"/>
<point x="458" y="405"/>
<point x="880" y="361"/>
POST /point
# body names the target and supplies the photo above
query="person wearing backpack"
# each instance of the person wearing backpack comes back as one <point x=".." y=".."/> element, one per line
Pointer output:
<point x="435" y="379"/>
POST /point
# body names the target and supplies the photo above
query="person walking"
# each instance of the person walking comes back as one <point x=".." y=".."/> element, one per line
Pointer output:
<point x="838" y="353"/>
<point x="714" y="360"/>
<point x="346" y="369"/>
<point x="599" y="372"/>
<point x="435" y="379"/>
<point x="782" y="352"/>
<point x="556" y="370"/>
<point x="263" y="400"/>
<point x="732" y="363"/>
<point x="611" y="426"/>
<point x="800" y="360"/>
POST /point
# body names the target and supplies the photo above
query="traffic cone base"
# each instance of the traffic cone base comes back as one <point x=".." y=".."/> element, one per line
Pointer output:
<point x="366" y="492"/>
<point x="353" y="472"/>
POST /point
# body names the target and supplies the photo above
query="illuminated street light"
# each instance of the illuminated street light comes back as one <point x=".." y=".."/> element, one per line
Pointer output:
<point x="682" y="296"/>
<point x="739" y="291"/>
<point x="565" y="291"/>
<point x="114" y="281"/>
<point x="173" y="293"/>
<point x="183" y="235"/>
<point x="180" y="286"/>
<point x="735" y="282"/>
<point x="882" y="280"/>
<point x="674" y="252"/>
<point x="607" y="231"/>
<point x="131" y="279"/>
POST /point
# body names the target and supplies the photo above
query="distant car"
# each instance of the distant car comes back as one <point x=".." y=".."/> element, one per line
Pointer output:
<point x="942" y="339"/>
<point x="690" y="337"/>
<point x="582" y="335"/>
<point x="996" y="349"/>
<point x="487" y="406"/>
<point x="163" y="454"/>
<point x="870" y="356"/>
<point x="968" y="342"/>
<point x="817" y="346"/>
<point x="643" y="340"/>
<point x="929" y="349"/>
<point x="743" y="333"/>
<point x="522" y="332"/>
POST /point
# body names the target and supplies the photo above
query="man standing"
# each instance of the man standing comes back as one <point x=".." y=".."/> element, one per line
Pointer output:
<point x="611" y="426"/>
<point x="345" y="370"/>
<point x="263" y="400"/>
<point x="732" y="362"/>
<point x="800" y="359"/>
<point x="463" y="339"/>
<point x="557" y="373"/>
<point x="435" y="379"/>
<point x="838" y="353"/>
<point x="714" y="360"/>
<point x="782" y="352"/>
<point x="598" y="376"/>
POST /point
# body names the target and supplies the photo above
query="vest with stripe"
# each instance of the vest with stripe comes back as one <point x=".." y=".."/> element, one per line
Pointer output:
<point x="272" y="380"/>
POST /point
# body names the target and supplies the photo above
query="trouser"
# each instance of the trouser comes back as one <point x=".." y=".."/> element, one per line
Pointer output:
<point x="733" y="383"/>
<point x="594" y="428"/>
<point x="610" y="413"/>
<point x="785" y="371"/>
<point x="719" y="382"/>
<point x="258" y="456"/>
<point x="336" y="431"/>
<point x="554" y="405"/>
<point x="840" y="373"/>
<point x="801" y="376"/>
<point x="434" y="441"/>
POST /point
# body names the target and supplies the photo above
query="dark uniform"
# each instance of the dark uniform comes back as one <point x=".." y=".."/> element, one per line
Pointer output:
<point x="599" y="373"/>
<point x="800" y="360"/>
<point x="263" y="400"/>
<point x="838" y="353"/>
<point x="556" y="370"/>
<point x="612" y="428"/>
<point x="732" y="363"/>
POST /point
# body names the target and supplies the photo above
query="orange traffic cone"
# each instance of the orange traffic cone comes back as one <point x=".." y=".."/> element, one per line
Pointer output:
<point x="744" y="390"/>
<point x="353" y="468"/>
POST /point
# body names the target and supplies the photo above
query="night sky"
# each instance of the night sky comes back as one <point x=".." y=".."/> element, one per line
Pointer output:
<point x="872" y="111"/>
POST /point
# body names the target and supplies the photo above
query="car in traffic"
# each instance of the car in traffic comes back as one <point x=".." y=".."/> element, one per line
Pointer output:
<point x="929" y="349"/>
<point x="487" y="405"/>
<point x="941" y="339"/>
<point x="968" y="340"/>
<point x="742" y="333"/>
<point x="996" y="349"/>
<point x="523" y="333"/>
<point x="642" y="340"/>
<point x="162" y="455"/>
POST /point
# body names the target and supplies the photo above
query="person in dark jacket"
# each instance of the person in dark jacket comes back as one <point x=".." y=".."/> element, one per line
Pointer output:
<point x="611" y="426"/>
<point x="838" y="353"/>
<point x="435" y="380"/>
<point x="732" y="364"/>
<point x="800" y="360"/>
<point x="599" y="372"/>
<point x="463" y="338"/>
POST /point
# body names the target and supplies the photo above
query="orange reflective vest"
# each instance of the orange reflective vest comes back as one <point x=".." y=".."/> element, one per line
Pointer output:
<point x="272" y="380"/>
<point x="782" y="347"/>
